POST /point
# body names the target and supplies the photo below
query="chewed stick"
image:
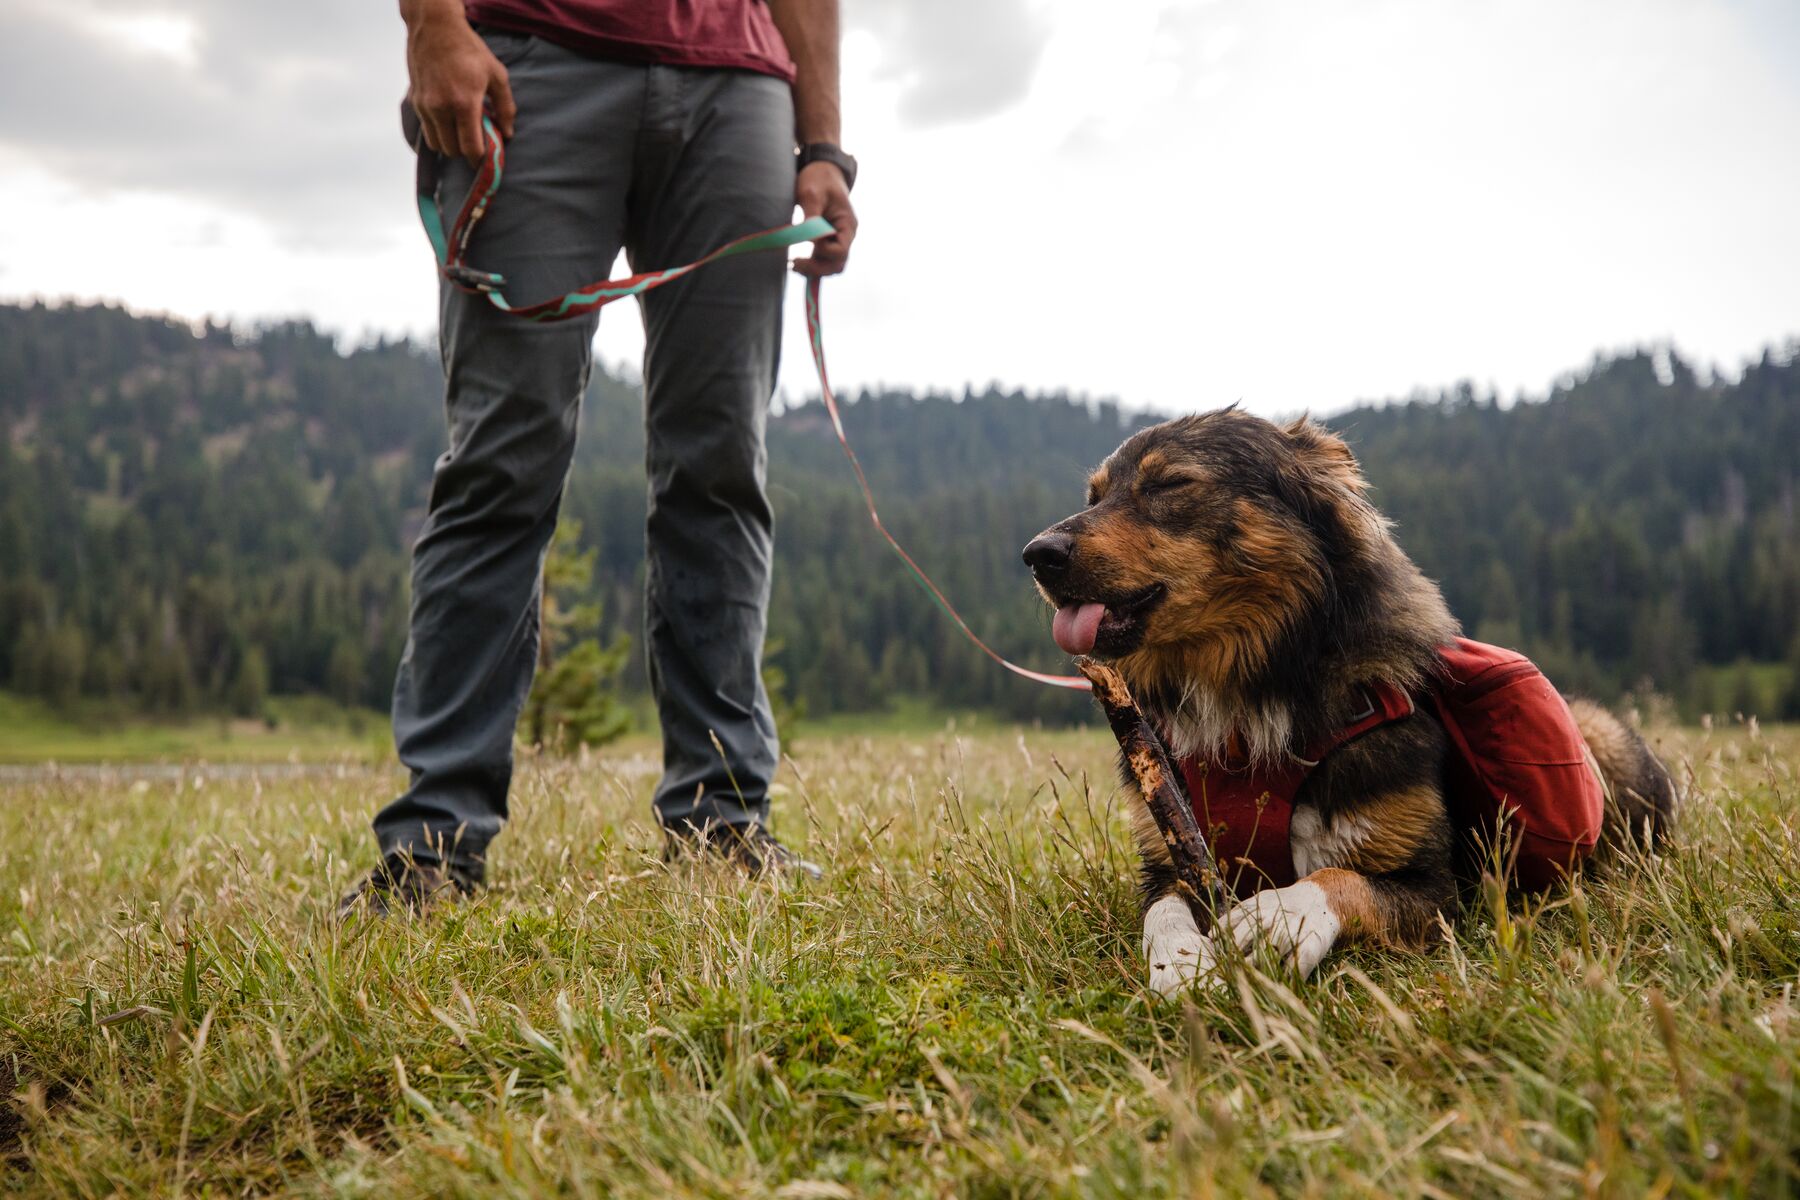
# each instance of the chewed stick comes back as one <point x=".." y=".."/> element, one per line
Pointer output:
<point x="1195" y="871"/>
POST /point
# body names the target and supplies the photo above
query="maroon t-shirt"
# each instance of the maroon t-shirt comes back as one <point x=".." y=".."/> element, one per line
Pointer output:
<point x="740" y="34"/>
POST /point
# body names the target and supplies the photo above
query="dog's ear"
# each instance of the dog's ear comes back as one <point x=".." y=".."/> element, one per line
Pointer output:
<point x="1326" y="453"/>
<point x="1324" y="485"/>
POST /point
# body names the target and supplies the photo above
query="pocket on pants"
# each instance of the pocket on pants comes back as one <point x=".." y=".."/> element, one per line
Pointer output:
<point x="509" y="47"/>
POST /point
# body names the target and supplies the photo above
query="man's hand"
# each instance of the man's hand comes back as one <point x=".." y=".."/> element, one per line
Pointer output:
<point x="451" y="72"/>
<point x="820" y="191"/>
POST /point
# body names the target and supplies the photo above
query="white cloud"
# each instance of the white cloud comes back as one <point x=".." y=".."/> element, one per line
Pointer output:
<point x="288" y="113"/>
<point x="955" y="61"/>
<point x="172" y="36"/>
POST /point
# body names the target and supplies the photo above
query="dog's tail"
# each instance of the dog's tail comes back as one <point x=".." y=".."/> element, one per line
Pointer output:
<point x="1640" y="793"/>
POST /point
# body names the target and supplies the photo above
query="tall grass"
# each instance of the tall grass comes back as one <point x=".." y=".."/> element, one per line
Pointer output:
<point x="957" y="1010"/>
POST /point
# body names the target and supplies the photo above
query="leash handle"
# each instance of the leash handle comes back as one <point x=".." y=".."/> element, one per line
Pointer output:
<point x="451" y="248"/>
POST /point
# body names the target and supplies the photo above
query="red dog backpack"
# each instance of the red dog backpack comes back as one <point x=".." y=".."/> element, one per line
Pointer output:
<point x="1516" y="753"/>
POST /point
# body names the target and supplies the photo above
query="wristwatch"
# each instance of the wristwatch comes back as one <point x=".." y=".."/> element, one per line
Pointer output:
<point x="829" y="152"/>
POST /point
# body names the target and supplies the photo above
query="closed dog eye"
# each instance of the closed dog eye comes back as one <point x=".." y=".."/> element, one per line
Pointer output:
<point x="1166" y="483"/>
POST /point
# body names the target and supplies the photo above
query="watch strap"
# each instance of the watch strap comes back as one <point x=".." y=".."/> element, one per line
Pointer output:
<point x="829" y="152"/>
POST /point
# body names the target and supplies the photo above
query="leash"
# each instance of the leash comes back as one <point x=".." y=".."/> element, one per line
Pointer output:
<point x="451" y="248"/>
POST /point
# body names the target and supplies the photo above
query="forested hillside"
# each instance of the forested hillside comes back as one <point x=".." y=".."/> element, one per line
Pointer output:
<point x="193" y="522"/>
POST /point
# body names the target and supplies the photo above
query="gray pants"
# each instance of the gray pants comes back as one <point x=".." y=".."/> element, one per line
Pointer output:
<point x="669" y="163"/>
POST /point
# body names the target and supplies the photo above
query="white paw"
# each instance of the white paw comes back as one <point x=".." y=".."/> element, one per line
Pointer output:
<point x="1296" y="921"/>
<point x="1178" y="953"/>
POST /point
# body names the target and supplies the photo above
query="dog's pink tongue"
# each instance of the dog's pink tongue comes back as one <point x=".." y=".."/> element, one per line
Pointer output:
<point x="1076" y="626"/>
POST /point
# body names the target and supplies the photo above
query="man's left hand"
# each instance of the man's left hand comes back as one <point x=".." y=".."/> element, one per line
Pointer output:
<point x="820" y="191"/>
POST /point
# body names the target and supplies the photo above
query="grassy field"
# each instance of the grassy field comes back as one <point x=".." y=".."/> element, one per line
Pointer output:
<point x="297" y="729"/>
<point x="957" y="1010"/>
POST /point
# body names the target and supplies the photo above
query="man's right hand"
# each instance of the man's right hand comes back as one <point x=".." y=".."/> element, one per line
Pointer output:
<point x="451" y="72"/>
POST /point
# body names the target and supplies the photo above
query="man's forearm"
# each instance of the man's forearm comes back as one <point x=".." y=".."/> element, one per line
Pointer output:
<point x="810" y="29"/>
<point x="821" y="188"/>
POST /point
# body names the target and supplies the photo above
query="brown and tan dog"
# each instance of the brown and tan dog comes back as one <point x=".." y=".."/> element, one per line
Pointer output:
<point x="1235" y="573"/>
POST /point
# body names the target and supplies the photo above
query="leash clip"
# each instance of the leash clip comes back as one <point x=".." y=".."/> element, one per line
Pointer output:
<point x="470" y="279"/>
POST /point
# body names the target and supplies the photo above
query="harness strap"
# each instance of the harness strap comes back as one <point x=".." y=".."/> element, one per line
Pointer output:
<point x="451" y="248"/>
<point x="1246" y="810"/>
<point x="1382" y="702"/>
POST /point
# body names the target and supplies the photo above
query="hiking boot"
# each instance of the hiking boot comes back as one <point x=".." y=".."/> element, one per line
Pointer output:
<point x="401" y="882"/>
<point x="752" y="849"/>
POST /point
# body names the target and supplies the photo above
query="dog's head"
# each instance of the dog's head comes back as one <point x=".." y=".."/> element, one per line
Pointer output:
<point x="1204" y="539"/>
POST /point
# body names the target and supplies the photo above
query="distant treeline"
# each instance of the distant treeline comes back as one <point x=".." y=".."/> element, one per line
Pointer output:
<point x="193" y="521"/>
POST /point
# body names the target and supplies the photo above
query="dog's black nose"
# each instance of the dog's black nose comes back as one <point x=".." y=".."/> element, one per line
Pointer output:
<point x="1049" y="552"/>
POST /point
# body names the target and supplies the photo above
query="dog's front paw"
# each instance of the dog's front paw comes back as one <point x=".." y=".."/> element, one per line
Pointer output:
<point x="1178" y="953"/>
<point x="1182" y="967"/>
<point x="1296" y="920"/>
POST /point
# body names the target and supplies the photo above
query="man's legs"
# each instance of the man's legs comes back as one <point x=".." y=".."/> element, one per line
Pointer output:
<point x="717" y="163"/>
<point x="513" y="397"/>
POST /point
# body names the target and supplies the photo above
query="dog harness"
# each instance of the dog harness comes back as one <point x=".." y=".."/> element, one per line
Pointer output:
<point x="1517" y="761"/>
<point x="1245" y="810"/>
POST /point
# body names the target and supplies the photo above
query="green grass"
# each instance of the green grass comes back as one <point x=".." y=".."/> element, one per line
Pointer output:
<point x="909" y="716"/>
<point x="301" y="729"/>
<point x="1742" y="687"/>
<point x="958" y="1010"/>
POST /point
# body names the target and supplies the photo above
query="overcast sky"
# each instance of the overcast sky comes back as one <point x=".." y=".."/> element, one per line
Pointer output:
<point x="1177" y="203"/>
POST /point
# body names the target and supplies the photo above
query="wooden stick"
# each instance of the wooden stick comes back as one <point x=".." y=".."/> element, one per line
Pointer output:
<point x="1195" y="871"/>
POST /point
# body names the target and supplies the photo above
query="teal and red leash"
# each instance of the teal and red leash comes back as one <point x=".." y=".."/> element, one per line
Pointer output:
<point x="451" y="247"/>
